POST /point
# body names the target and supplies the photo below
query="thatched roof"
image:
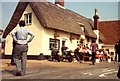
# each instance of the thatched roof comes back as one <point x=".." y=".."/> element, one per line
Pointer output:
<point x="52" y="16"/>
<point x="88" y="24"/>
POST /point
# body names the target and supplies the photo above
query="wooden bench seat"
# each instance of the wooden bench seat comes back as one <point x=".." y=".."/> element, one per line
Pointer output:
<point x="87" y="57"/>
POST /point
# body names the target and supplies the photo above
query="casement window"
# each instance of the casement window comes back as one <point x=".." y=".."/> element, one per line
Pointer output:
<point x="54" y="43"/>
<point x="28" y="18"/>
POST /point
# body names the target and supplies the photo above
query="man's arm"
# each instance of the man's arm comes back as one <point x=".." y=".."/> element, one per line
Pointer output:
<point x="115" y="48"/>
<point x="90" y="46"/>
<point x="97" y="46"/>
<point x="31" y="36"/>
<point x="14" y="36"/>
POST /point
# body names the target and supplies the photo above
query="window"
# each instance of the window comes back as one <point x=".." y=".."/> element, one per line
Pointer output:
<point x="54" y="43"/>
<point x="28" y="18"/>
<point x="82" y="26"/>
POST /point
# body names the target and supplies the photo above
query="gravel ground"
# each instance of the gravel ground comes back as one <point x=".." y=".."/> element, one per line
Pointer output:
<point x="37" y="69"/>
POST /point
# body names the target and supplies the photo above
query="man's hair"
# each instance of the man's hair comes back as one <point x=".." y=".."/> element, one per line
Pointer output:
<point x="93" y="41"/>
<point x="22" y="23"/>
<point x="117" y="41"/>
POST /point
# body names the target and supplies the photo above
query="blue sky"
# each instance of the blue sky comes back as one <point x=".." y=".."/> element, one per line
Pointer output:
<point x="107" y="10"/>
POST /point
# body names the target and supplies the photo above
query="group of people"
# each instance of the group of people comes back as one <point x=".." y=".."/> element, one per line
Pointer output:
<point x="102" y="54"/>
<point x="80" y="52"/>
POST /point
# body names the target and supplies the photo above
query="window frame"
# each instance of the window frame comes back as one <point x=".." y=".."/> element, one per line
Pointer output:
<point x="52" y="41"/>
<point x="28" y="19"/>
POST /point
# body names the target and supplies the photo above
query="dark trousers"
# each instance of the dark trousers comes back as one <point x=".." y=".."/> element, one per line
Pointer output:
<point x="119" y="57"/>
<point x="118" y="74"/>
<point x="93" y="56"/>
<point x="117" y="54"/>
<point x="79" y="56"/>
<point x="12" y="57"/>
<point x="21" y="58"/>
<point x="76" y="56"/>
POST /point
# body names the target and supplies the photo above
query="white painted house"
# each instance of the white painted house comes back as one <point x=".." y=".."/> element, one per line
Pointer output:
<point x="51" y="25"/>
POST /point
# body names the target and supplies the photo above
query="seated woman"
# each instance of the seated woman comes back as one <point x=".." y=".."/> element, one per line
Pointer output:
<point x="106" y="54"/>
<point x="88" y="52"/>
<point x="78" y="53"/>
<point x="101" y="55"/>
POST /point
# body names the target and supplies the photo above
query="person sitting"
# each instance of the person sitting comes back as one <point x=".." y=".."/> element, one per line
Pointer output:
<point x="77" y="53"/>
<point x="63" y="50"/>
<point x="101" y="55"/>
<point x="89" y="52"/>
<point x="106" y="54"/>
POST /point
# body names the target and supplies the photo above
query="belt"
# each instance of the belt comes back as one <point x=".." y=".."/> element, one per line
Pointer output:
<point x="21" y="44"/>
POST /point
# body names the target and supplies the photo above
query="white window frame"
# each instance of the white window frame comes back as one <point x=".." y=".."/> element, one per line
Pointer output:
<point x="54" y="42"/>
<point x="28" y="19"/>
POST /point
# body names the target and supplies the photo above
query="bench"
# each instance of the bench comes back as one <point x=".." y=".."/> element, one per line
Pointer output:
<point x="87" y="57"/>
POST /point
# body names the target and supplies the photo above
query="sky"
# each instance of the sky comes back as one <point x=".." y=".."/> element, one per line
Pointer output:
<point x="108" y="9"/>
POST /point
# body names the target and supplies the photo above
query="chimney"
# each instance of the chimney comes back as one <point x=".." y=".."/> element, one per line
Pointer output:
<point x="96" y="21"/>
<point x="96" y="26"/>
<point x="59" y="2"/>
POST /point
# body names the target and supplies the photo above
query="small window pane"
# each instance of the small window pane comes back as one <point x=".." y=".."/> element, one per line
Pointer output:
<point x="54" y="43"/>
<point x="28" y="18"/>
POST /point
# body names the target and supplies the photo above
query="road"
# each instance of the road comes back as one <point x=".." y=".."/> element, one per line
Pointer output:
<point x="37" y="69"/>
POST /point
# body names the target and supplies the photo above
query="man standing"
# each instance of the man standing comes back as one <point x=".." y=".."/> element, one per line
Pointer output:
<point x="94" y="47"/>
<point x="116" y="51"/>
<point x="118" y="74"/>
<point x="20" y="50"/>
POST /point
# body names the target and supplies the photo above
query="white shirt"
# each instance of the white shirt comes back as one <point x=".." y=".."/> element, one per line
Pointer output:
<point x="20" y="35"/>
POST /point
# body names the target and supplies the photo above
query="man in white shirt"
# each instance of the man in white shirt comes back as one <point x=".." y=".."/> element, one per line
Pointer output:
<point x="20" y="36"/>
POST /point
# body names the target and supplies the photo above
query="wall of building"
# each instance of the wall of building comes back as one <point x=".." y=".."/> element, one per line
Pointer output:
<point x="49" y="33"/>
<point x="35" y="47"/>
<point x="8" y="45"/>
